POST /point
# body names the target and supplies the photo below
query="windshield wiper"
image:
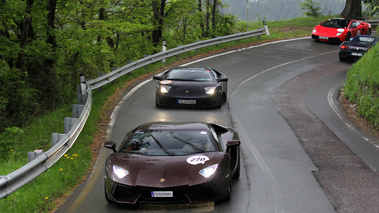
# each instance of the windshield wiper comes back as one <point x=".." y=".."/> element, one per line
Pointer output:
<point x="194" y="147"/>
<point x="162" y="147"/>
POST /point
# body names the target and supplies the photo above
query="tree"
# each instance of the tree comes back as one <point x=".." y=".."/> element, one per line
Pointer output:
<point x="372" y="7"/>
<point x="312" y="8"/>
<point x="353" y="9"/>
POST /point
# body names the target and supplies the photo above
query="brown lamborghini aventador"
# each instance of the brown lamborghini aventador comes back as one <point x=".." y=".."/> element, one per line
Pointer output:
<point x="173" y="163"/>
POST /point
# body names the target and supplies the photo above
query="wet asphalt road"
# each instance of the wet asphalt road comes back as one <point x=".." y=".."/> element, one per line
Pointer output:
<point x="292" y="160"/>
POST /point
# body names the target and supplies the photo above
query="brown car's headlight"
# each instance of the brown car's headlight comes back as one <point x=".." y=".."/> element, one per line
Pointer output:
<point x="209" y="171"/>
<point x="120" y="172"/>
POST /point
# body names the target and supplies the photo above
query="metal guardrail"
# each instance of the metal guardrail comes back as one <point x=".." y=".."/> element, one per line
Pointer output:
<point x="61" y="143"/>
<point x="373" y="22"/>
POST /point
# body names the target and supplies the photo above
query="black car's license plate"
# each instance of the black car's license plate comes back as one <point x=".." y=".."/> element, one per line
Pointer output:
<point x="357" y="54"/>
<point x="180" y="101"/>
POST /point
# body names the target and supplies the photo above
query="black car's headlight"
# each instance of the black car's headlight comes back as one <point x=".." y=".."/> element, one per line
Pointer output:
<point x="164" y="88"/>
<point x="210" y="90"/>
<point x="209" y="171"/>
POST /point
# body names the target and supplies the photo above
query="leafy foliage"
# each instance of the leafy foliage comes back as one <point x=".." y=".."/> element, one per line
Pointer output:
<point x="46" y="45"/>
<point x="312" y="8"/>
<point x="372" y="9"/>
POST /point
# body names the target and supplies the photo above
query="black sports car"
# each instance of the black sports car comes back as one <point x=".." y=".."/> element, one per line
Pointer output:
<point x="164" y="162"/>
<point x="191" y="86"/>
<point x="356" y="47"/>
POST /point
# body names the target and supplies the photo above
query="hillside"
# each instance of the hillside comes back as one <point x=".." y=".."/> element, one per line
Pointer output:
<point x="277" y="9"/>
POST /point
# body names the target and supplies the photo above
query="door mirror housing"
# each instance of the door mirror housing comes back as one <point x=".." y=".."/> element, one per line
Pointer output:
<point x="222" y="79"/>
<point x="155" y="77"/>
<point x="110" y="145"/>
<point x="233" y="143"/>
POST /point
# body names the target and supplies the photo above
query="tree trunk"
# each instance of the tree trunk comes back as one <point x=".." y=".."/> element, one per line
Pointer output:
<point x="201" y="18"/>
<point x="214" y="7"/>
<point x="207" y="17"/>
<point x="46" y="83"/>
<point x="158" y="15"/>
<point x="25" y="34"/>
<point x="353" y="9"/>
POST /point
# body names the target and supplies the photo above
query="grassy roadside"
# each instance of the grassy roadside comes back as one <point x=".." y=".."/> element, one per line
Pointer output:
<point x="362" y="87"/>
<point x="69" y="171"/>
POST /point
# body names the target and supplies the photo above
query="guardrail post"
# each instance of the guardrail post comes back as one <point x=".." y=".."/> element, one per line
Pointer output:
<point x="55" y="138"/>
<point x="266" y="28"/>
<point x="35" y="154"/>
<point x="164" y="50"/>
<point x="68" y="124"/>
<point x="77" y="110"/>
<point x="82" y="96"/>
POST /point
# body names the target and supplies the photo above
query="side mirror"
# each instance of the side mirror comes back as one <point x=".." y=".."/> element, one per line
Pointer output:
<point x="110" y="145"/>
<point x="233" y="143"/>
<point x="155" y="77"/>
<point x="222" y="79"/>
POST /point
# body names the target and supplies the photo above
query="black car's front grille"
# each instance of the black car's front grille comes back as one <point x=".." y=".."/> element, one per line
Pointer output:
<point x="187" y="91"/>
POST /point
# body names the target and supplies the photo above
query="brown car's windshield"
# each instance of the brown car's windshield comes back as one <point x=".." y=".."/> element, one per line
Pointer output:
<point x="169" y="142"/>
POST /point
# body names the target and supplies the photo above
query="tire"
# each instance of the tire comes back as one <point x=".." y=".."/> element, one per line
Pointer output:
<point x="106" y="196"/>
<point x="229" y="195"/>
<point x="368" y="32"/>
<point x="237" y="174"/>
<point x="342" y="59"/>
<point x="348" y="36"/>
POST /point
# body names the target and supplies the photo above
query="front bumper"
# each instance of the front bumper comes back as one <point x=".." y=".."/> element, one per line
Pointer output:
<point x="200" y="193"/>
<point x="205" y="101"/>
<point x="330" y="39"/>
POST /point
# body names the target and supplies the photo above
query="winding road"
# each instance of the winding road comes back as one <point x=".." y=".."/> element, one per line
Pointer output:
<point x="299" y="152"/>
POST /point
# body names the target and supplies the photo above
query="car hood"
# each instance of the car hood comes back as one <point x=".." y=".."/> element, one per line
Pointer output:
<point x="163" y="171"/>
<point x="328" y="31"/>
<point x="190" y="88"/>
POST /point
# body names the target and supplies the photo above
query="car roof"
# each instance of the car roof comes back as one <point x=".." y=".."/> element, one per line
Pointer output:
<point x="192" y="67"/>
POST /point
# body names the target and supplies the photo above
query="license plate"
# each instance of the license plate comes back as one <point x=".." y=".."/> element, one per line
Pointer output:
<point x="322" y="37"/>
<point x="357" y="54"/>
<point x="162" y="194"/>
<point x="180" y="101"/>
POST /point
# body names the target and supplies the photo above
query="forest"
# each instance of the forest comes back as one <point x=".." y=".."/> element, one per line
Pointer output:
<point x="46" y="45"/>
<point x="278" y="9"/>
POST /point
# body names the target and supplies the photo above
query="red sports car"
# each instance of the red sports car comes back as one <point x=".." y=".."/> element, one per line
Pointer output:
<point x="340" y="29"/>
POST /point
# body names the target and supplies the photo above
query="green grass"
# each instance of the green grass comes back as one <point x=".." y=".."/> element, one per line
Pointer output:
<point x="39" y="196"/>
<point x="362" y="86"/>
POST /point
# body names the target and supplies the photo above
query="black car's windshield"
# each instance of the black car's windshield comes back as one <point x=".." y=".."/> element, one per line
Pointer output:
<point x="169" y="142"/>
<point x="363" y="39"/>
<point x="336" y="23"/>
<point x="189" y="75"/>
